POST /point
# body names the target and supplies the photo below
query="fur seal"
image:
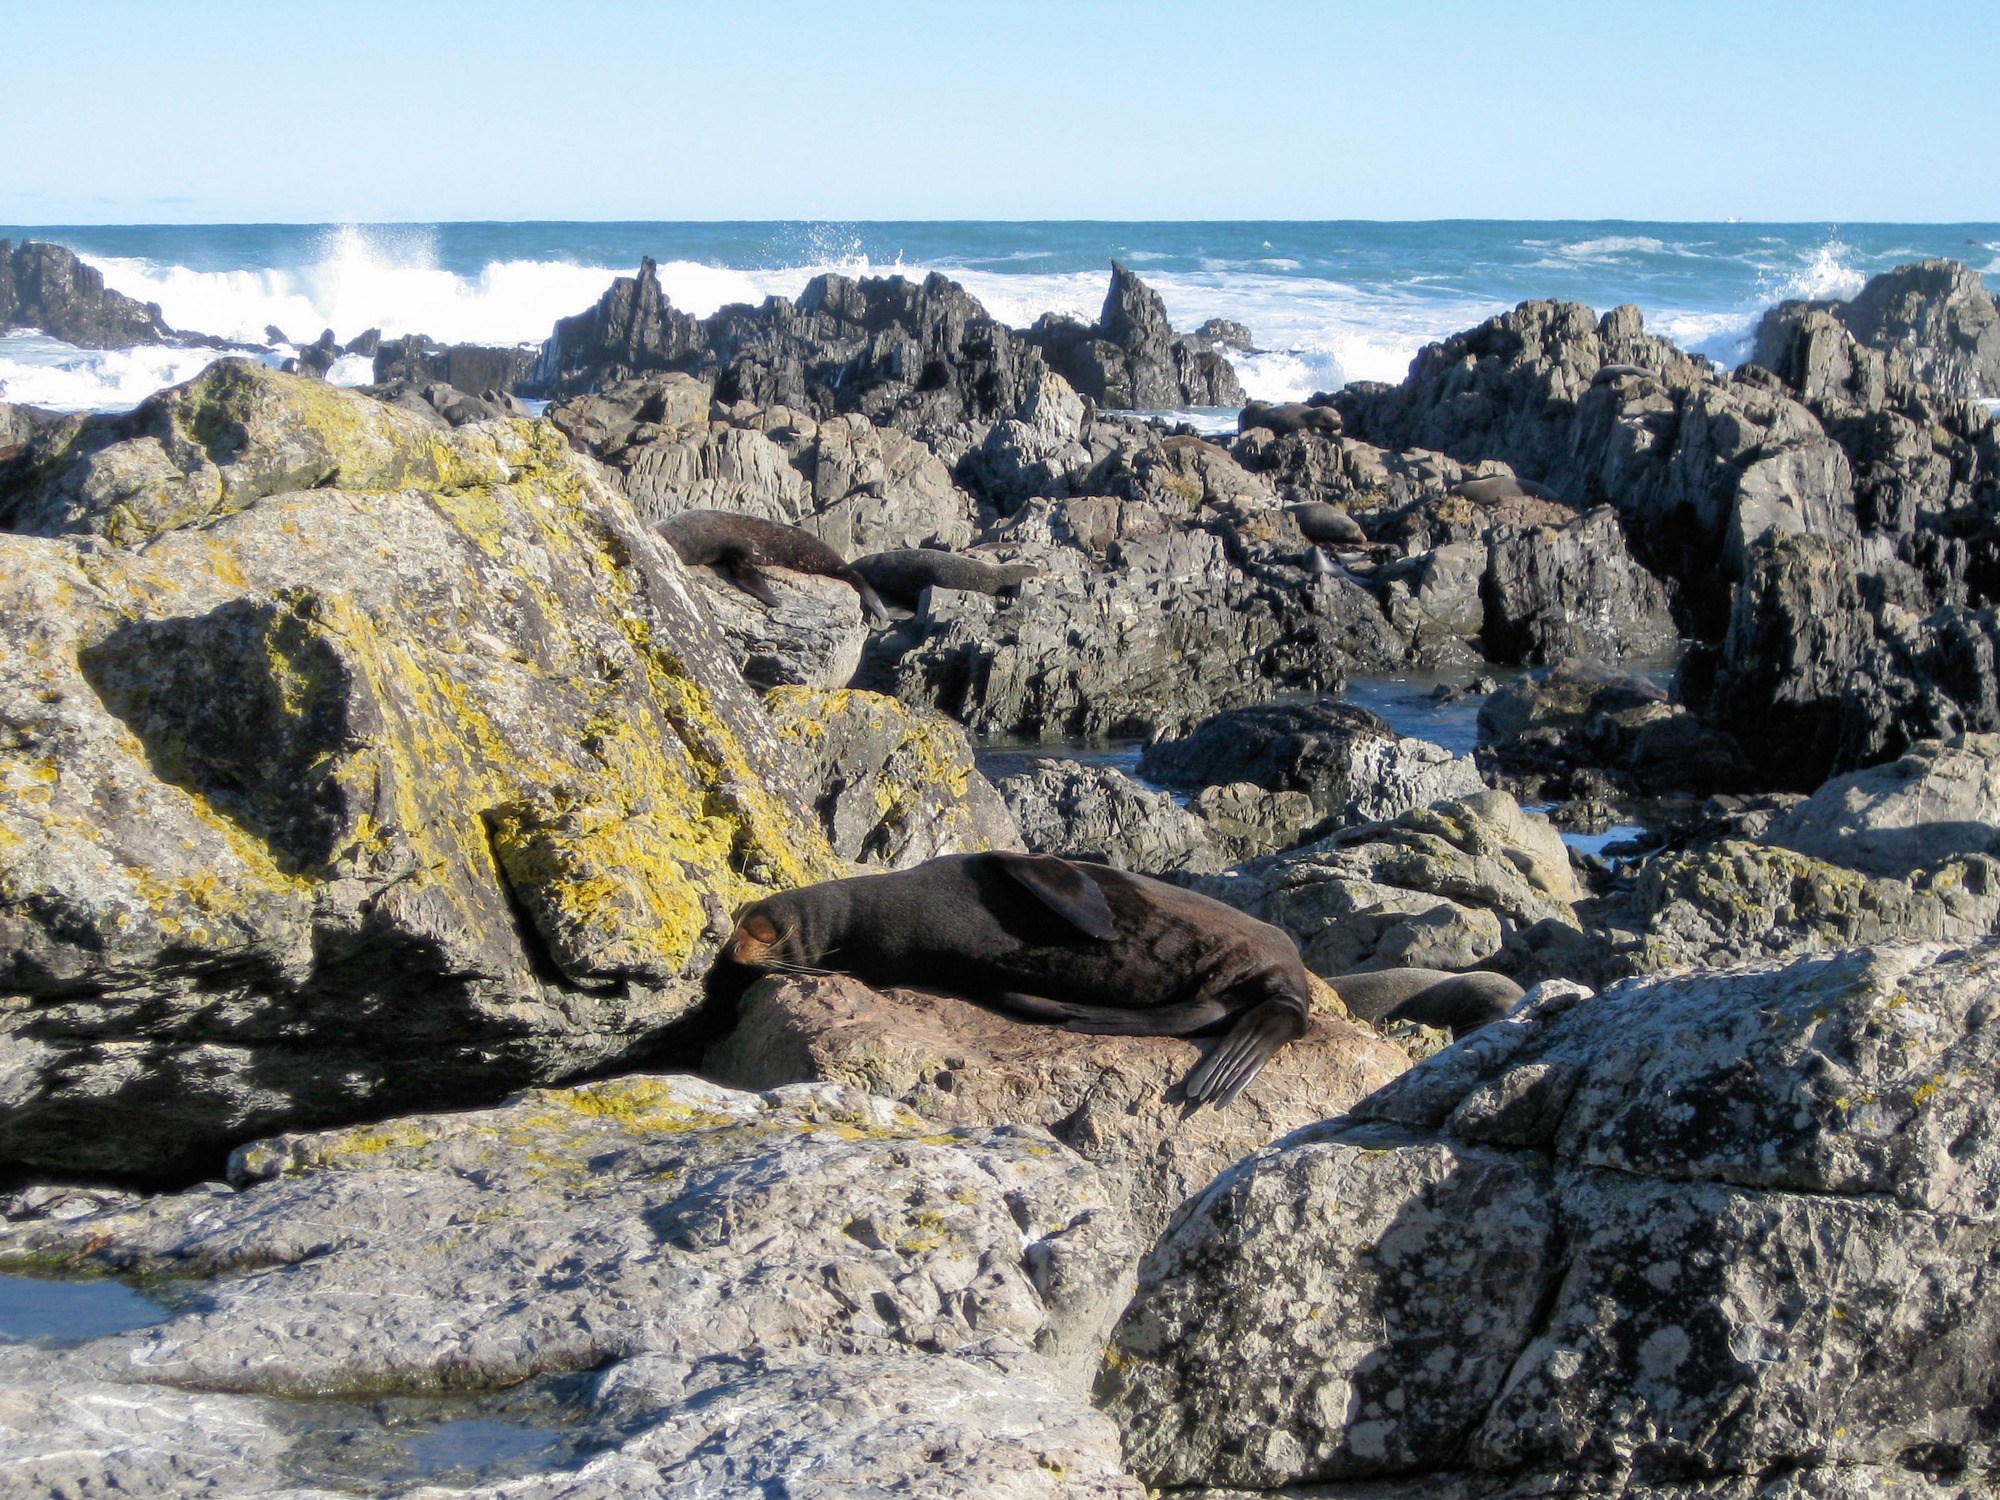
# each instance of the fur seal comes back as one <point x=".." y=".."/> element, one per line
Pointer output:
<point x="742" y="546"/>
<point x="1502" y="487"/>
<point x="1084" y="946"/>
<point x="1327" y="525"/>
<point x="1457" y="1003"/>
<point x="1290" y="416"/>
<point x="1623" y="372"/>
<point x="904" y="575"/>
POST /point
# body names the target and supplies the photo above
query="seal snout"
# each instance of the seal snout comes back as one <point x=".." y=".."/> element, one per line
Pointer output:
<point x="753" y="941"/>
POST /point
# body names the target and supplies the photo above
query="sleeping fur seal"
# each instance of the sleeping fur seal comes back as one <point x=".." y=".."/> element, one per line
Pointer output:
<point x="1087" y="947"/>
<point x="1502" y="487"/>
<point x="903" y="575"/>
<point x="742" y="546"/>
<point x="1457" y="1003"/>
<point x="1290" y="416"/>
<point x="1327" y="525"/>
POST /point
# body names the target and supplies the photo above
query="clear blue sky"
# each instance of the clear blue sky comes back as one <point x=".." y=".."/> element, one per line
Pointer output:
<point x="217" y="110"/>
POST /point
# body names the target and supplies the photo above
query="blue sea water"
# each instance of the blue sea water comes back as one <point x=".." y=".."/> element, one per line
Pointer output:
<point x="1326" y="302"/>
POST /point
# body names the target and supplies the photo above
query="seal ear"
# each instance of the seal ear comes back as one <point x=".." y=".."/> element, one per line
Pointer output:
<point x="1064" y="890"/>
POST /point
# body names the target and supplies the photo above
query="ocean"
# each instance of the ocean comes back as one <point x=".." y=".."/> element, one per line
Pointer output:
<point x="1325" y="302"/>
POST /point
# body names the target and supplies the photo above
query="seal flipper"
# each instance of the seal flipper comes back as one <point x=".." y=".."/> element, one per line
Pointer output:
<point x="871" y="602"/>
<point x="748" y="577"/>
<point x="1224" y="1073"/>
<point x="1106" y="1020"/>
<point x="1063" y="889"/>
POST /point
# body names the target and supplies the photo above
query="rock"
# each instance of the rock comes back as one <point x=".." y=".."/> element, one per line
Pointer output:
<point x="1353" y="766"/>
<point x="1131" y="358"/>
<point x="1732" y="900"/>
<point x="1227" y="334"/>
<point x="1441" y="887"/>
<point x="1935" y="317"/>
<point x="813" y="637"/>
<point x="903" y="354"/>
<point x="208" y="448"/>
<point x="894" y="786"/>
<point x="1243" y="820"/>
<point x="1564" y="733"/>
<point x="1066" y="808"/>
<point x="358" y="798"/>
<point x="1939" y="801"/>
<point x="1552" y="593"/>
<point x="47" y="287"/>
<point x="705" y="1251"/>
<point x="1107" y="1098"/>
<point x="1040" y="451"/>
<point x="476" y="369"/>
<point x="1728" y="1231"/>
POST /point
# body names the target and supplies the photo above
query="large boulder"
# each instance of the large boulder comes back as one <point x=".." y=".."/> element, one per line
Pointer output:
<point x="812" y="636"/>
<point x="1131" y="356"/>
<point x="354" y="799"/>
<point x="893" y="785"/>
<point x="1072" y="809"/>
<point x="1727" y="1234"/>
<point x="1111" y="1099"/>
<point x="1353" y="766"/>
<point x="806" y="1282"/>
<point x="1934" y="318"/>
<point x="1440" y="887"/>
<point x="1940" y="801"/>
<point x="1553" y="593"/>
<point x="47" y="287"/>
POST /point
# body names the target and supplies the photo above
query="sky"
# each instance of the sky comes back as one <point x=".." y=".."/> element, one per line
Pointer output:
<point x="133" y="111"/>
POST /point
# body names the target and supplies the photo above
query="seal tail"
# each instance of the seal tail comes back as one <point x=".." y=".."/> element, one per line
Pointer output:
<point x="1219" y="1077"/>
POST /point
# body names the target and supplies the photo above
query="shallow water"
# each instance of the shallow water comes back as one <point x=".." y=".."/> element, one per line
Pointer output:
<point x="57" y="1314"/>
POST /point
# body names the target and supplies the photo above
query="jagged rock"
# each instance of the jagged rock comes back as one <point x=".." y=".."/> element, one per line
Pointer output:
<point x="894" y="786"/>
<point x="1111" y="1099"/>
<point x="1728" y="1231"/>
<point x="1443" y="886"/>
<point x="1063" y="807"/>
<point x="357" y="798"/>
<point x="1553" y="593"/>
<point x="1940" y="800"/>
<point x="47" y="287"/>
<point x="1130" y="358"/>
<point x="1935" y="318"/>
<point x="1349" y="761"/>
<point x="1243" y="820"/>
<point x="706" y="1251"/>
<point x="1040" y="451"/>
<point x="1733" y="900"/>
<point x="913" y="356"/>
<point x="870" y="489"/>
<point x="475" y="369"/>
<point x="812" y="637"/>
<point x="205" y="449"/>
<point x="1225" y="333"/>
<point x="1570" y="727"/>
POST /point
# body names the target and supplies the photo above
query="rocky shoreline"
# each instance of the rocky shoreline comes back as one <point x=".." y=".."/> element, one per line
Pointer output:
<point x="376" y="787"/>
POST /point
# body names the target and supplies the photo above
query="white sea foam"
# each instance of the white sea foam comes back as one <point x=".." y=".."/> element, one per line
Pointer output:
<point x="36" y="370"/>
<point x="1826" y="275"/>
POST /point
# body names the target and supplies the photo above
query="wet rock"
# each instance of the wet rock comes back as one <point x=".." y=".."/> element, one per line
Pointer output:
<point x="1443" y="886"/>
<point x="1131" y="358"/>
<point x="893" y="786"/>
<point x="47" y="287"/>
<point x="1111" y="1099"/>
<point x="1346" y="759"/>
<point x="1939" y="801"/>
<point x="355" y="799"/>
<point x="1225" y="333"/>
<point x="1071" y="809"/>
<point x="1593" y="1244"/>
<point x="476" y="369"/>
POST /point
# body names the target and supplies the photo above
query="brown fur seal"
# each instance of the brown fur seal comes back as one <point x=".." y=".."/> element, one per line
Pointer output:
<point x="1502" y="487"/>
<point x="904" y="575"/>
<point x="741" y="546"/>
<point x="1290" y="416"/>
<point x="1327" y="525"/>
<point x="1088" y="947"/>
<point x="1623" y="372"/>
<point x="1457" y="1003"/>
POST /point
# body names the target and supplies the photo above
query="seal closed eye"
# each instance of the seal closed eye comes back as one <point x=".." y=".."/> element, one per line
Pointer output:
<point x="1089" y="948"/>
